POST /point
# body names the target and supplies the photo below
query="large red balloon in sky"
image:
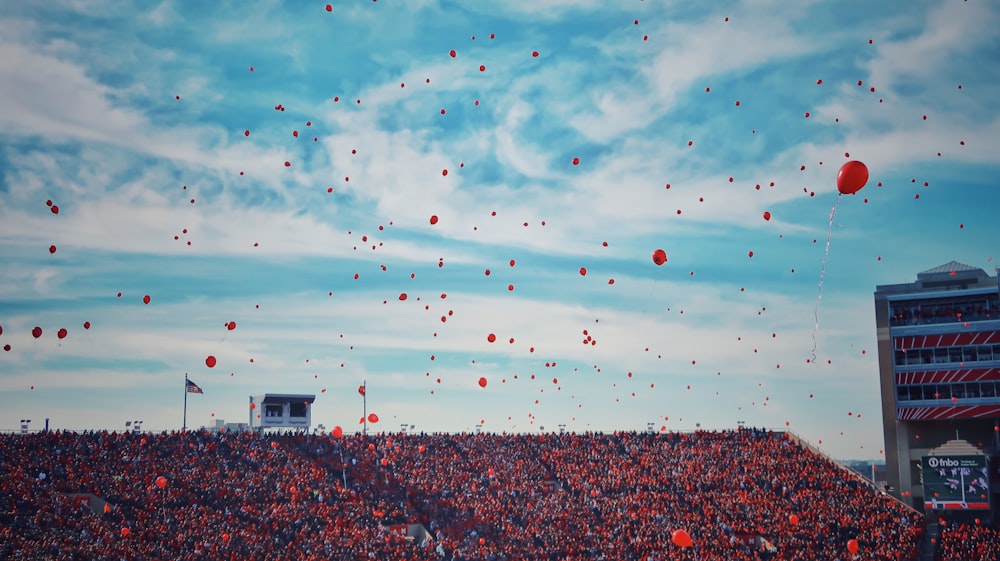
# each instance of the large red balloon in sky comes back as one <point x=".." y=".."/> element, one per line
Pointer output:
<point x="852" y="177"/>
<point x="659" y="257"/>
<point x="36" y="332"/>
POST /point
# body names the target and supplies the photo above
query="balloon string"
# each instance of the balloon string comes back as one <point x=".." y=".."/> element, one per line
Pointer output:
<point x="822" y="273"/>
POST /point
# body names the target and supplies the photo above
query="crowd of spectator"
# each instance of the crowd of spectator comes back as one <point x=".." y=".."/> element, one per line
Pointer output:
<point x="741" y="496"/>
<point x="943" y="313"/>
<point x="969" y="541"/>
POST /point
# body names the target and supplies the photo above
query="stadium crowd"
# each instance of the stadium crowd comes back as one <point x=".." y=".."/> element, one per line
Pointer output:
<point x="969" y="541"/>
<point x="741" y="496"/>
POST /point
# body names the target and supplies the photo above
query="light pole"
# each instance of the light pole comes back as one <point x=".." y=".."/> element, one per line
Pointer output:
<point x="479" y="429"/>
<point x="562" y="428"/>
<point x="24" y="425"/>
<point x="402" y="428"/>
<point x="649" y="427"/>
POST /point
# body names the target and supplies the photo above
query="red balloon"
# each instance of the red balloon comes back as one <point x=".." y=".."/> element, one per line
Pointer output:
<point x="583" y="271"/>
<point x="482" y="382"/>
<point x="491" y="338"/>
<point x="852" y="546"/>
<point x="659" y="257"/>
<point x="86" y="325"/>
<point x="210" y="361"/>
<point x="361" y="390"/>
<point x="52" y="249"/>
<point x="231" y="325"/>
<point x="161" y="482"/>
<point x="852" y="177"/>
<point x="793" y="519"/>
<point x="434" y="220"/>
<point x="36" y="332"/>
<point x="338" y="431"/>
<point x="126" y="532"/>
<point x="145" y="299"/>
<point x="372" y="418"/>
<point x="681" y="538"/>
<point x="402" y="296"/>
<point x="62" y="333"/>
<point x="767" y="215"/>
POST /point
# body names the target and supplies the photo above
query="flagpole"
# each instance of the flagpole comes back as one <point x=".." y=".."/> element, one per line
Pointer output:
<point x="364" y="406"/>
<point x="184" y="428"/>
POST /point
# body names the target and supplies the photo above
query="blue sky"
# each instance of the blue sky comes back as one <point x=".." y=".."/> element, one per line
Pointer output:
<point x="161" y="131"/>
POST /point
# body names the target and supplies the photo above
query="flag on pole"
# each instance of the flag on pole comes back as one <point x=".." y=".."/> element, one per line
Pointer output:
<point x="193" y="388"/>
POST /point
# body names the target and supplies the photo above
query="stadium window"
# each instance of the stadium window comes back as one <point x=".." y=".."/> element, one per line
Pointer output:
<point x="902" y="393"/>
<point x="929" y="391"/>
<point x="297" y="410"/>
<point x="972" y="390"/>
<point x="955" y="354"/>
<point x="272" y="410"/>
<point x="988" y="389"/>
<point x="899" y="357"/>
<point x="940" y="355"/>
<point x="959" y="391"/>
<point x="926" y="356"/>
<point x="970" y="354"/>
<point x="985" y="352"/>
<point x="942" y="391"/>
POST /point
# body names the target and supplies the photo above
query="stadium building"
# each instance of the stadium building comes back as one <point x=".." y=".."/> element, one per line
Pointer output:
<point x="939" y="372"/>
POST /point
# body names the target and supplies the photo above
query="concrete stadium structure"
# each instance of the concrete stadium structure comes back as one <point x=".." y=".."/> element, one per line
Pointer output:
<point x="939" y="371"/>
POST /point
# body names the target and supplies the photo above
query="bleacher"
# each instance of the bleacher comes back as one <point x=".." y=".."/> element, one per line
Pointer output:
<point x="742" y="495"/>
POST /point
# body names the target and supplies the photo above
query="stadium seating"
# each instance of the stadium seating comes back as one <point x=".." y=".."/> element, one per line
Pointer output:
<point x="742" y="495"/>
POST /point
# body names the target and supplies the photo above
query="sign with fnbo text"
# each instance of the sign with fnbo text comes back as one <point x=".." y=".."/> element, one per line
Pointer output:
<point x="956" y="482"/>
